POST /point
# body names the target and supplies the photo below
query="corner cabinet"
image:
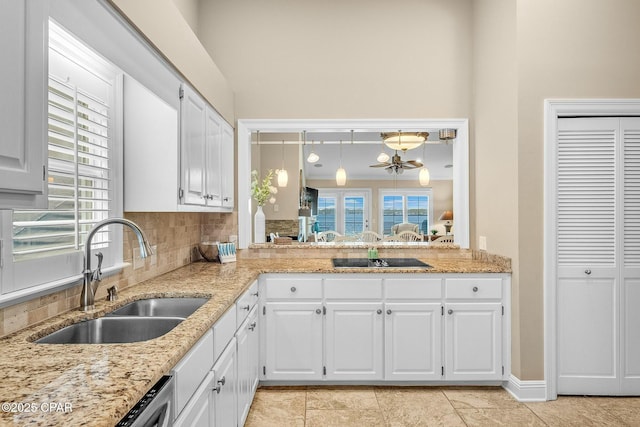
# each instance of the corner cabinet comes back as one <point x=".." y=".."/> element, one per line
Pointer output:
<point x="452" y="328"/>
<point x="23" y="107"/>
<point x="178" y="156"/>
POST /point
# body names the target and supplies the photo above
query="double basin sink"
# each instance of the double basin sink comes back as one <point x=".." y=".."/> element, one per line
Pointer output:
<point x="140" y="320"/>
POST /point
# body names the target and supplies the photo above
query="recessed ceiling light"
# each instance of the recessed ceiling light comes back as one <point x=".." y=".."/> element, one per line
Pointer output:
<point x="448" y="166"/>
<point x="317" y="165"/>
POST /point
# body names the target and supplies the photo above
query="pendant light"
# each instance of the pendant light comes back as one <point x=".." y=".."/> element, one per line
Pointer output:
<point x="341" y="174"/>
<point x="312" y="157"/>
<point x="283" y="176"/>
<point x="383" y="157"/>
<point x="424" y="177"/>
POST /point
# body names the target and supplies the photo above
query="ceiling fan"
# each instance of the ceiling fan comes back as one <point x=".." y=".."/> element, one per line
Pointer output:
<point x="397" y="165"/>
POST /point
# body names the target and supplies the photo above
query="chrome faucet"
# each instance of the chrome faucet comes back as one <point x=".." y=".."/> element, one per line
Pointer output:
<point x="89" y="287"/>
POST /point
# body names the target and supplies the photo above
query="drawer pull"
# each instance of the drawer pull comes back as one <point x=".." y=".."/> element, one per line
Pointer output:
<point x="252" y="326"/>
<point x="318" y="311"/>
<point x="246" y="307"/>
<point x="587" y="271"/>
<point x="450" y="311"/>
<point x="379" y="311"/>
<point x="389" y="311"/>
<point x="220" y="384"/>
<point x="255" y="294"/>
<point x="293" y="289"/>
<point x="475" y="289"/>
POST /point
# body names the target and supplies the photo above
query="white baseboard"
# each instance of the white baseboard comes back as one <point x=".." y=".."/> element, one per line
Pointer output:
<point x="526" y="391"/>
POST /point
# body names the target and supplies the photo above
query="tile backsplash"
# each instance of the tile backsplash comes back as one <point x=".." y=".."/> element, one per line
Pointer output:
<point x="175" y="236"/>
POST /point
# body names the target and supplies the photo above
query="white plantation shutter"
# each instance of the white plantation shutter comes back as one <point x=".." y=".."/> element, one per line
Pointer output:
<point x="631" y="192"/>
<point x="79" y="176"/>
<point x="586" y="179"/>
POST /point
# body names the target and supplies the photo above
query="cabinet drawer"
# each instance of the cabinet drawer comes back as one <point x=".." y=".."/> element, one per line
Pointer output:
<point x="293" y="288"/>
<point x="223" y="330"/>
<point x="470" y="288"/>
<point x="353" y="288"/>
<point x="192" y="369"/>
<point x="414" y="288"/>
<point x="245" y="303"/>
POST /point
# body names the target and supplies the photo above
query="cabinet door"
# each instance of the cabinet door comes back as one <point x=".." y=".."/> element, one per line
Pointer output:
<point x="354" y="341"/>
<point x="226" y="389"/>
<point x="199" y="410"/>
<point x="246" y="338"/>
<point x="227" y="169"/>
<point x="413" y="341"/>
<point x="293" y="341"/>
<point x="193" y="160"/>
<point x="473" y="341"/>
<point x="23" y="107"/>
<point x="213" y="162"/>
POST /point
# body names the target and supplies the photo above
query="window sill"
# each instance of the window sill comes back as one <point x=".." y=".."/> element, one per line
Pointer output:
<point x="33" y="292"/>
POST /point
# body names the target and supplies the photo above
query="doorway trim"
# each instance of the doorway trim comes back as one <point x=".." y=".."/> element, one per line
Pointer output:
<point x="460" y="157"/>
<point x="553" y="110"/>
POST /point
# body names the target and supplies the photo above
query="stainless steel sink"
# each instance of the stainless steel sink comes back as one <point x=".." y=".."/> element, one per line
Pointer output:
<point x="163" y="307"/>
<point x="112" y="330"/>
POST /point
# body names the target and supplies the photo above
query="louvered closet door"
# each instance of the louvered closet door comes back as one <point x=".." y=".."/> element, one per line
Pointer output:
<point x="587" y="290"/>
<point x="630" y="245"/>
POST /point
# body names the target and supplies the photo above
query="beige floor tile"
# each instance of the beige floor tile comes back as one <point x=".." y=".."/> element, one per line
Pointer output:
<point x="277" y="407"/>
<point x="626" y="409"/>
<point x="480" y="398"/>
<point x="520" y="416"/>
<point x="416" y="406"/>
<point x="344" y="418"/>
<point x="341" y="398"/>
<point x="574" y="411"/>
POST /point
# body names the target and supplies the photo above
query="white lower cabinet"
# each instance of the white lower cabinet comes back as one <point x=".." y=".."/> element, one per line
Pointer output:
<point x="293" y="338"/>
<point x="385" y="327"/>
<point x="225" y="392"/>
<point x="219" y="394"/>
<point x="248" y="360"/>
<point x="353" y="341"/>
<point x="473" y="341"/>
<point x="413" y="337"/>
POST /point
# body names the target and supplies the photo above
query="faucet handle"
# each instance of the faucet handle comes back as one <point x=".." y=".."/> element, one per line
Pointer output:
<point x="97" y="274"/>
<point x="112" y="293"/>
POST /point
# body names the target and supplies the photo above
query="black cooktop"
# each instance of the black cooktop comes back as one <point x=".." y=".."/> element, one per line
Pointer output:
<point x="379" y="263"/>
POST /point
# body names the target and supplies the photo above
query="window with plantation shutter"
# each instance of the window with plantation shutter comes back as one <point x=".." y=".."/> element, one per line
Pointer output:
<point x="79" y="176"/>
<point x="84" y="169"/>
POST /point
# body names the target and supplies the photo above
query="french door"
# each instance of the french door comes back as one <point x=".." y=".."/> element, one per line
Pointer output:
<point x="597" y="199"/>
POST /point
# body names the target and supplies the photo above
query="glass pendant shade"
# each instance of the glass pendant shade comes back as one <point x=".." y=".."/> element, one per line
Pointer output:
<point x="313" y="157"/>
<point x="341" y="176"/>
<point x="424" y="177"/>
<point x="283" y="177"/>
<point x="404" y="141"/>
<point x="383" y="157"/>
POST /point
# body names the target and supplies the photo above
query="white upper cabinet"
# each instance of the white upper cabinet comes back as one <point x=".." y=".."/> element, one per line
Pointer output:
<point x="206" y="156"/>
<point x="23" y="107"/>
<point x="174" y="159"/>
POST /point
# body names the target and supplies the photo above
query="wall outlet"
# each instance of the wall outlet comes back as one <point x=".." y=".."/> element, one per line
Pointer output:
<point x="153" y="259"/>
<point x="482" y="243"/>
<point x="137" y="261"/>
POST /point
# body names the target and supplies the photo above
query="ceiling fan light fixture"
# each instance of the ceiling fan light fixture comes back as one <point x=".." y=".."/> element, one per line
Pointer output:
<point x="313" y="157"/>
<point x="341" y="177"/>
<point x="404" y="140"/>
<point x="383" y="157"/>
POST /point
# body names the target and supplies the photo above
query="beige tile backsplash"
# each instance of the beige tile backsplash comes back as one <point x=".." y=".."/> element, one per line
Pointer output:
<point x="174" y="234"/>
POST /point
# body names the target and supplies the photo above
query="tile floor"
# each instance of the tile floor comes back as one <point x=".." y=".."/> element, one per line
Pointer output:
<point x="430" y="406"/>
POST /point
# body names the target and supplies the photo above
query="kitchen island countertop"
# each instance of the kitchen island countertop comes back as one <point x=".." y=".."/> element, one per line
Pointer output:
<point x="96" y="384"/>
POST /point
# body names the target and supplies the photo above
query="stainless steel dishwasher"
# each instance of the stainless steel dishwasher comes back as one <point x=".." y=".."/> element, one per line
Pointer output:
<point x="155" y="409"/>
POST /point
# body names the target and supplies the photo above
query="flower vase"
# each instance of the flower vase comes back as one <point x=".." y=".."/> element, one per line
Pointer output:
<point x="259" y="226"/>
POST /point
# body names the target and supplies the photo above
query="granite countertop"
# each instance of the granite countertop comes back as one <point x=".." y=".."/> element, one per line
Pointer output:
<point x="96" y="384"/>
